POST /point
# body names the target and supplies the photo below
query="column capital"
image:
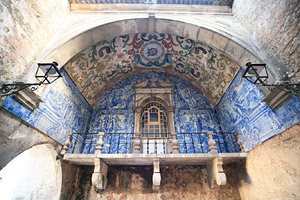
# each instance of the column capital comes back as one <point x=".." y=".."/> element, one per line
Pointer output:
<point x="170" y="108"/>
<point x="138" y="109"/>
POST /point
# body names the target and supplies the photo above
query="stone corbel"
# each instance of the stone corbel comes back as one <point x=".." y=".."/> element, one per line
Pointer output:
<point x="216" y="175"/>
<point x="99" y="177"/>
<point x="28" y="98"/>
<point x="156" y="179"/>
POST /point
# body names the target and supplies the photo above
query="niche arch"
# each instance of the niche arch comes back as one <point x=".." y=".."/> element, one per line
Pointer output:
<point x="33" y="174"/>
<point x="154" y="120"/>
<point x="161" y="94"/>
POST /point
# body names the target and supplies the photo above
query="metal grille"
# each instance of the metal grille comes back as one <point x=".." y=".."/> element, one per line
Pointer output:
<point x="154" y="120"/>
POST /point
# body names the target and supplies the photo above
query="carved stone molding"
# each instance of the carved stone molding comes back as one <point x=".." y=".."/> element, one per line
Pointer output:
<point x="161" y="92"/>
<point x="138" y="109"/>
<point x="170" y="108"/>
<point x="276" y="97"/>
<point x="28" y="98"/>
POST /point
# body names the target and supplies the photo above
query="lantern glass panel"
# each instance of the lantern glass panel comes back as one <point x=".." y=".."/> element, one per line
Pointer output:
<point x="262" y="73"/>
<point x="256" y="73"/>
<point x="47" y="73"/>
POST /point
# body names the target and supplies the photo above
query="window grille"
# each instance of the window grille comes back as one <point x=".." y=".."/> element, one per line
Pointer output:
<point x="154" y="120"/>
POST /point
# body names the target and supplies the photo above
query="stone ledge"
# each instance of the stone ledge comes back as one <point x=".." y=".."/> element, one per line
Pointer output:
<point x="147" y="159"/>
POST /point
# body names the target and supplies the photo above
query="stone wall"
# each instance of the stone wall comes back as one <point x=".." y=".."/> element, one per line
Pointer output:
<point x="272" y="169"/>
<point x="274" y="27"/>
<point x="17" y="136"/>
<point x="26" y="28"/>
<point x="69" y="180"/>
<point x="178" y="182"/>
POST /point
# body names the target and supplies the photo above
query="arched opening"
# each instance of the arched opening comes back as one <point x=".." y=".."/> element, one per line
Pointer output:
<point x="34" y="174"/>
<point x="154" y="117"/>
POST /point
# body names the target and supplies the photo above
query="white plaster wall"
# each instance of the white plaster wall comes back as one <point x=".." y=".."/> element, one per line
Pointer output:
<point x="34" y="174"/>
<point x="272" y="170"/>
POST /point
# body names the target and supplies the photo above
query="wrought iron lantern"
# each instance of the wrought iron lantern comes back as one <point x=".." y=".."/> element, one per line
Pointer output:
<point x="258" y="74"/>
<point x="46" y="73"/>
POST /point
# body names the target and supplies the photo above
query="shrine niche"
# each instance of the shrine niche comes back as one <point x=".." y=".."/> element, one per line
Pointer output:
<point x="154" y="115"/>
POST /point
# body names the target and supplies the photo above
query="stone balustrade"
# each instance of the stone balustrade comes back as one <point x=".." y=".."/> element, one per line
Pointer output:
<point x="67" y="144"/>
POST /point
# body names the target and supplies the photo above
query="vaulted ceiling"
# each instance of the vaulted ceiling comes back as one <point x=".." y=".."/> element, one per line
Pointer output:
<point x="102" y="64"/>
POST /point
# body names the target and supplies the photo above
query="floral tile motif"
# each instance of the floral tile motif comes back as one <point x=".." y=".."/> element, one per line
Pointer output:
<point x="109" y="60"/>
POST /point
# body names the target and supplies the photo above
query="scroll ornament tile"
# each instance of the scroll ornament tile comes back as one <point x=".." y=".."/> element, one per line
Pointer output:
<point x="104" y="62"/>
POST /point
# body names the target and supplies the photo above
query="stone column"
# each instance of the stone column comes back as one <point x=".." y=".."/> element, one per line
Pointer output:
<point x="137" y="119"/>
<point x="99" y="144"/>
<point x="67" y="144"/>
<point x="174" y="144"/>
<point x="170" y="110"/>
<point x="137" y="143"/>
<point x="211" y="143"/>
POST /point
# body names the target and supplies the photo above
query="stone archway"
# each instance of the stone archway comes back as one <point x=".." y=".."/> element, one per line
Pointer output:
<point x="34" y="174"/>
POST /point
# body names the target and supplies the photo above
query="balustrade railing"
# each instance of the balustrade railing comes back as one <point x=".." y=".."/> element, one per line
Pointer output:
<point x="154" y="143"/>
<point x="198" y="142"/>
<point x="114" y="143"/>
